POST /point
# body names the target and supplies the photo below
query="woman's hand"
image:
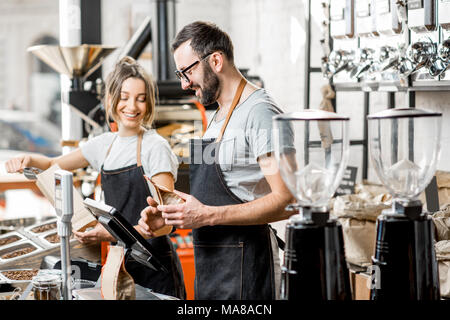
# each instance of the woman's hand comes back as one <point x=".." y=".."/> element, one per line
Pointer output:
<point x="17" y="164"/>
<point x="151" y="219"/>
<point x="95" y="235"/>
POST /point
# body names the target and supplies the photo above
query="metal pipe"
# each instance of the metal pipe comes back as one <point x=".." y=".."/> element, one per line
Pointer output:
<point x="163" y="73"/>
<point x="69" y="35"/>
<point x="165" y="34"/>
<point x="138" y="41"/>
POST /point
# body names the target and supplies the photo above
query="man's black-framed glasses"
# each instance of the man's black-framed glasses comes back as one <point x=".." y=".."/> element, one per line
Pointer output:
<point x="181" y="74"/>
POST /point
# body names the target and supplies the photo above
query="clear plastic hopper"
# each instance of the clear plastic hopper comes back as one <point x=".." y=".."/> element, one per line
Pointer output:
<point x="312" y="149"/>
<point x="404" y="147"/>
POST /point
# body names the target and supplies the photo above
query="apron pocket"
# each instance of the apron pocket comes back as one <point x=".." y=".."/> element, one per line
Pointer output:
<point x="218" y="271"/>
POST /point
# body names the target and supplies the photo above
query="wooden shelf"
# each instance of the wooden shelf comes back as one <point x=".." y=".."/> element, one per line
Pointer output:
<point x="16" y="181"/>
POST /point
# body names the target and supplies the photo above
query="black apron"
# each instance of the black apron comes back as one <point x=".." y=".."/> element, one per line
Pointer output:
<point x="231" y="262"/>
<point x="126" y="190"/>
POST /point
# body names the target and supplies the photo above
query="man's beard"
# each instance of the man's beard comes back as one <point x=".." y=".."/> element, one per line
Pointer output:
<point x="211" y="86"/>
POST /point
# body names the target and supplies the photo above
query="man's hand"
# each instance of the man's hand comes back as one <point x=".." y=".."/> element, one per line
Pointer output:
<point x="151" y="219"/>
<point x="188" y="215"/>
<point x="96" y="235"/>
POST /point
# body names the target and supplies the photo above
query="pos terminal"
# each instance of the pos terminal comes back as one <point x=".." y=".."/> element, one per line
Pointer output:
<point x="134" y="244"/>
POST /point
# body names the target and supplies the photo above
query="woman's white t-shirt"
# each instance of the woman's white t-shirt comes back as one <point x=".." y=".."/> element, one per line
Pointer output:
<point x="156" y="154"/>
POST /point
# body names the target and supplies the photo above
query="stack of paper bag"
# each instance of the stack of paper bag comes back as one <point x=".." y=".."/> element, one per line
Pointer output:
<point x="358" y="214"/>
<point x="82" y="218"/>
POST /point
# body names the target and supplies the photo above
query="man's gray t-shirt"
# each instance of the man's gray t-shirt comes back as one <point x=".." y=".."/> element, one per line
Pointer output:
<point x="156" y="154"/>
<point x="247" y="137"/>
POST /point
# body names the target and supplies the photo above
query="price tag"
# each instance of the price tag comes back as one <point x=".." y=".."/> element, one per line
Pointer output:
<point x="348" y="182"/>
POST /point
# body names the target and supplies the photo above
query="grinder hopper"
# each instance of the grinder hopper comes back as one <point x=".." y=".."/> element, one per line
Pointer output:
<point x="76" y="61"/>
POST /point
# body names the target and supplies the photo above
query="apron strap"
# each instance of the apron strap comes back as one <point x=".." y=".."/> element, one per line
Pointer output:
<point x="236" y="98"/>
<point x="138" y="149"/>
<point x="110" y="146"/>
<point x="280" y="241"/>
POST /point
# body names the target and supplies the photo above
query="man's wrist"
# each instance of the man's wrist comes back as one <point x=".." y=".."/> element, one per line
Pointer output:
<point x="214" y="215"/>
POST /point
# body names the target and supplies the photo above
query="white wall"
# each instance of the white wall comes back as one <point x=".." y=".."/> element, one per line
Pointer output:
<point x="21" y="23"/>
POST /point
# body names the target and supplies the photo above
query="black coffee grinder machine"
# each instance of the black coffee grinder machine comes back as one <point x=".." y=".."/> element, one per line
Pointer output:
<point x="312" y="149"/>
<point x="404" y="148"/>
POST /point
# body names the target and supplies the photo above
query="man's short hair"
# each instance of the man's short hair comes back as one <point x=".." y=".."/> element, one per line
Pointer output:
<point x="206" y="37"/>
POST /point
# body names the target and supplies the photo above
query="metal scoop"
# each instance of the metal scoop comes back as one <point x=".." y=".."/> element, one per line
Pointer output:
<point x="31" y="172"/>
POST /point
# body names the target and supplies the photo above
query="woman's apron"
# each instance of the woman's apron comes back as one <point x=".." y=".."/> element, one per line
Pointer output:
<point x="231" y="262"/>
<point x="126" y="190"/>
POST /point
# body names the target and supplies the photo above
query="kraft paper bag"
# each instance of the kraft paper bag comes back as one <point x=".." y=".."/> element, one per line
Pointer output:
<point x="358" y="214"/>
<point x="116" y="282"/>
<point x="359" y="240"/>
<point x="441" y="221"/>
<point x="163" y="196"/>
<point x="443" y="185"/>
<point x="82" y="218"/>
<point x="443" y="258"/>
<point x="353" y="206"/>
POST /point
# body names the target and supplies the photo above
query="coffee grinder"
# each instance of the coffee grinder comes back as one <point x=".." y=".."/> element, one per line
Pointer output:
<point x="78" y="63"/>
<point x="312" y="149"/>
<point x="404" y="148"/>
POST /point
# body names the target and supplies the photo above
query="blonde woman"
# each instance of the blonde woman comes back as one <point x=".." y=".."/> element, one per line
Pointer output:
<point x="123" y="157"/>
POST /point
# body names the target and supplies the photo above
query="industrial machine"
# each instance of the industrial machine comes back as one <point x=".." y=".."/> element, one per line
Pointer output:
<point x="312" y="149"/>
<point x="365" y="19"/>
<point x="404" y="147"/>
<point x="341" y="61"/>
<point x="444" y="46"/>
<point x="393" y="43"/>
<point x="388" y="45"/>
<point x="424" y="40"/>
<point x="78" y="63"/>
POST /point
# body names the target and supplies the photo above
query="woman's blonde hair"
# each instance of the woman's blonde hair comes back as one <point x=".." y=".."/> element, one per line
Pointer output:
<point x="126" y="68"/>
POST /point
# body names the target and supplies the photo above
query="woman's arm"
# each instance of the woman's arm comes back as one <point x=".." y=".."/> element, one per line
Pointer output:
<point x="164" y="179"/>
<point x="71" y="161"/>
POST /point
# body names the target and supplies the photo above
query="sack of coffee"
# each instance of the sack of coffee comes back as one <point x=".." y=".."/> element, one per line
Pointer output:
<point x="116" y="282"/>
<point x="162" y="196"/>
<point x="358" y="214"/>
<point x="443" y="258"/>
<point x="441" y="221"/>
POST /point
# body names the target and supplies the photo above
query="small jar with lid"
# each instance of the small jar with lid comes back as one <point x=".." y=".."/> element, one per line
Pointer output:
<point x="46" y="287"/>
